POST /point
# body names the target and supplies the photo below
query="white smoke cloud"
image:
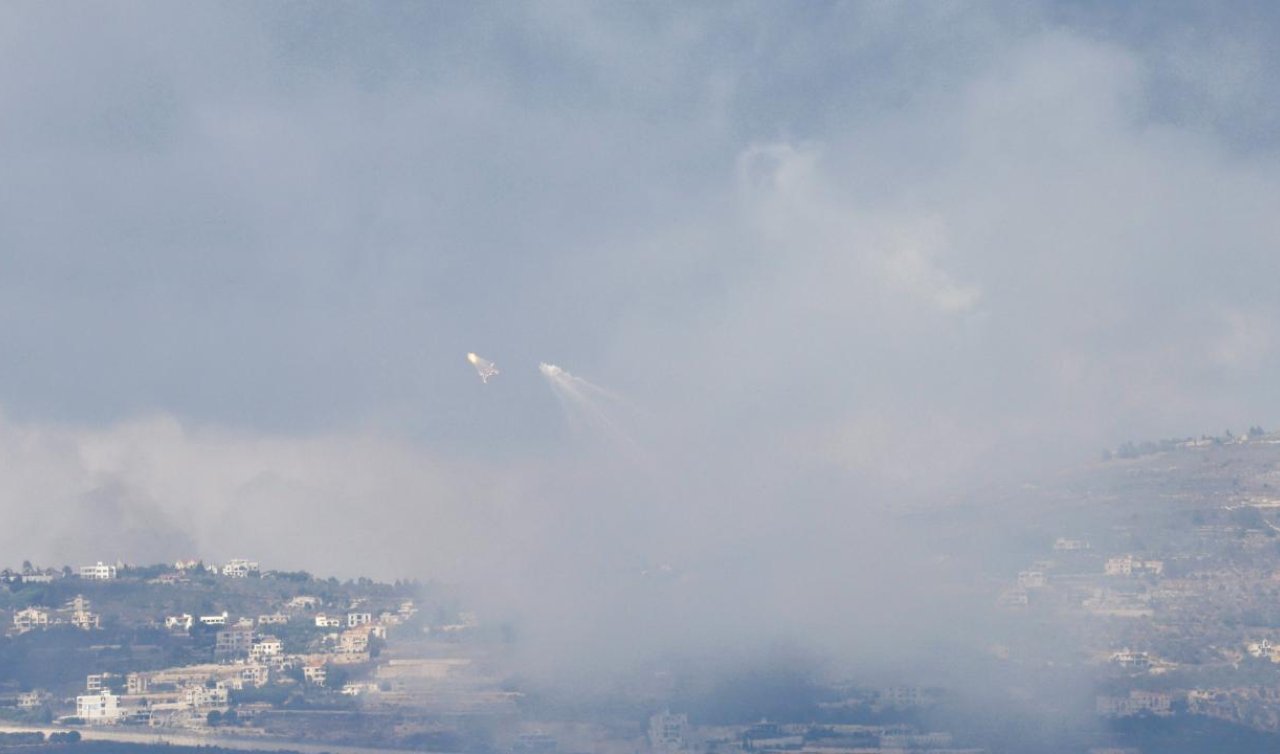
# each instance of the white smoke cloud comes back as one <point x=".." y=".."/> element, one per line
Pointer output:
<point x="847" y="261"/>
<point x="155" y="490"/>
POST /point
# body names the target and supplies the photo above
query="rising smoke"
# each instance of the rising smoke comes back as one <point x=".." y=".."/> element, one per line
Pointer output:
<point x="594" y="413"/>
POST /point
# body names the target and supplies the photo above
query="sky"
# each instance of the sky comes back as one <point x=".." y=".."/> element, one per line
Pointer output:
<point x="824" y="261"/>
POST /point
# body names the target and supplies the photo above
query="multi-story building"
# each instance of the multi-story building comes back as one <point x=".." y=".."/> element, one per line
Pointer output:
<point x="353" y="641"/>
<point x="136" y="683"/>
<point x="1128" y="565"/>
<point x="232" y="643"/>
<point x="97" y="682"/>
<point x="266" y="648"/>
<point x="239" y="568"/>
<point x="81" y="617"/>
<point x="255" y="675"/>
<point x="1131" y="660"/>
<point x="30" y="618"/>
<point x="102" y="708"/>
<point x="199" y="696"/>
<point x="303" y="602"/>
<point x="99" y="572"/>
<point x="315" y="673"/>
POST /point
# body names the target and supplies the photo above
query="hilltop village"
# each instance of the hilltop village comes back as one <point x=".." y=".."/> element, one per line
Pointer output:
<point x="195" y="646"/>
<point x="237" y="656"/>
<point x="1157" y="573"/>
<point x="1137" y="598"/>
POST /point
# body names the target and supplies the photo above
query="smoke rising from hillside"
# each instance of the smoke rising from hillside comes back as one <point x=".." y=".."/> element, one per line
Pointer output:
<point x="847" y="266"/>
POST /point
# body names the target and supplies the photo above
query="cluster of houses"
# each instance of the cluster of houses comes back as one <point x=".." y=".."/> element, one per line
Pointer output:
<point x="1101" y="601"/>
<point x="172" y="697"/>
<point x="1128" y="565"/>
<point x="246" y="655"/>
<point x="248" y="651"/>
<point x="100" y="571"/>
<point x="75" y="613"/>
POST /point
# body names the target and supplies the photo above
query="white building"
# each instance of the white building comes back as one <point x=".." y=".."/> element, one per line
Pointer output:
<point x="253" y="675"/>
<point x="359" y="619"/>
<point x="356" y="689"/>
<point x="1127" y="565"/>
<point x="214" y="620"/>
<point x="275" y="619"/>
<point x="267" y="647"/>
<point x="239" y="568"/>
<point x="99" y="572"/>
<point x="96" y="682"/>
<point x="179" y="622"/>
<point x="324" y="621"/>
<point x="32" y="617"/>
<point x="81" y="617"/>
<point x="315" y="673"/>
<point x="102" y="708"/>
<point x="1131" y="660"/>
<point x="202" y="697"/>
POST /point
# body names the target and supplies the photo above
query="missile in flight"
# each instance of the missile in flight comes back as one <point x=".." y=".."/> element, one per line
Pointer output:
<point x="484" y="368"/>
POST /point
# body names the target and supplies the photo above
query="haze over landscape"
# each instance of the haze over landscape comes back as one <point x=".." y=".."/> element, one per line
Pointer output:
<point x="792" y="303"/>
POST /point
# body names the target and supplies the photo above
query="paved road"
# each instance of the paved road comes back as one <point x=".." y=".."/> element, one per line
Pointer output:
<point x="194" y="739"/>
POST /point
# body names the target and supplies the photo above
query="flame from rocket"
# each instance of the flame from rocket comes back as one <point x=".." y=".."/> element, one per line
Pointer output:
<point x="484" y="368"/>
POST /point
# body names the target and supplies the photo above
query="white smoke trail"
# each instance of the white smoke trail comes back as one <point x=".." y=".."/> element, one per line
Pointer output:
<point x="591" y="409"/>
